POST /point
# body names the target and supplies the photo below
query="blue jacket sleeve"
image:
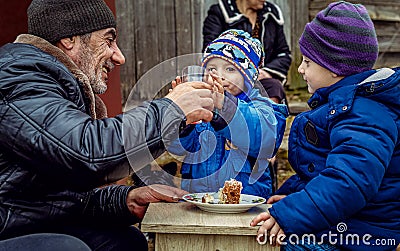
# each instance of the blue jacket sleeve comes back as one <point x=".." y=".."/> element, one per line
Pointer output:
<point x="291" y="185"/>
<point x="362" y="146"/>
<point x="253" y="128"/>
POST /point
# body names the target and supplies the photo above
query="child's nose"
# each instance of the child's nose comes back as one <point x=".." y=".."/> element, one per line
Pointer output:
<point x="300" y="69"/>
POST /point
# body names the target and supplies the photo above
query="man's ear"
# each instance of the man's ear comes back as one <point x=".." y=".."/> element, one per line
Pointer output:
<point x="68" y="43"/>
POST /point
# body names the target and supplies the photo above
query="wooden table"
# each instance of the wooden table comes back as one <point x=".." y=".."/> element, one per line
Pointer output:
<point x="183" y="226"/>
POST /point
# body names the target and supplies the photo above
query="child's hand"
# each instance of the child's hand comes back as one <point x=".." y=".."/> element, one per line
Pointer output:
<point x="175" y="82"/>
<point x="275" y="198"/>
<point x="218" y="90"/>
<point x="270" y="231"/>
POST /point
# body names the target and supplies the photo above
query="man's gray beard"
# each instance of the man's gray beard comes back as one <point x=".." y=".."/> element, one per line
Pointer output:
<point x="86" y="66"/>
<point x="98" y="85"/>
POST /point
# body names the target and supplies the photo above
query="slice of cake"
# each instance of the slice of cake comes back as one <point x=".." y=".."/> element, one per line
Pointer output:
<point x="230" y="193"/>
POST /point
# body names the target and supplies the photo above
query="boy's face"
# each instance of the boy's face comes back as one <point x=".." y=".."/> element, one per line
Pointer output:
<point x="315" y="75"/>
<point x="233" y="80"/>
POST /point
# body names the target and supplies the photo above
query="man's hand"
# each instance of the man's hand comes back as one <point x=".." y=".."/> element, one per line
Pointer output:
<point x="138" y="199"/>
<point x="195" y="99"/>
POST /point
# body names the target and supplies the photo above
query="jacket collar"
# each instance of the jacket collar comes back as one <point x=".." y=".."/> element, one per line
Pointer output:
<point x="97" y="107"/>
<point x="232" y="14"/>
<point x="379" y="85"/>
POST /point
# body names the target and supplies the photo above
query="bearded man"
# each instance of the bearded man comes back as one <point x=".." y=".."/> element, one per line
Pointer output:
<point x="57" y="146"/>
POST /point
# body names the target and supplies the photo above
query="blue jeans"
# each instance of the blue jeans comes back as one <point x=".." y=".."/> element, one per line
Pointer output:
<point x="307" y="244"/>
<point x="80" y="238"/>
<point x="43" y="242"/>
<point x="309" y="247"/>
<point x="121" y="238"/>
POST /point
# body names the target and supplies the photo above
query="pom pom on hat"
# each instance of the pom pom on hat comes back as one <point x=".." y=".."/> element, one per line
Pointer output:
<point x="341" y="38"/>
<point x="240" y="49"/>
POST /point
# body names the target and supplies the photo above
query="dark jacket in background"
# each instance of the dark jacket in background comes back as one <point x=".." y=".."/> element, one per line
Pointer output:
<point x="225" y="15"/>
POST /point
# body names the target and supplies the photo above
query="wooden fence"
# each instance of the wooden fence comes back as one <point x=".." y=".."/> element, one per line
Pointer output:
<point x="152" y="31"/>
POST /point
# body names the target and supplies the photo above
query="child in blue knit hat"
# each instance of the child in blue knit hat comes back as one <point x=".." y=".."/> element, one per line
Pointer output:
<point x="346" y="149"/>
<point x="247" y="129"/>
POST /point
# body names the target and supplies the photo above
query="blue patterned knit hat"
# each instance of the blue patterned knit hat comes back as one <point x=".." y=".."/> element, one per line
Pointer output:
<point x="240" y="49"/>
<point x="341" y="38"/>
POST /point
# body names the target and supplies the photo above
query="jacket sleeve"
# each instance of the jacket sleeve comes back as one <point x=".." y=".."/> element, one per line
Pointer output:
<point x="213" y="25"/>
<point x="291" y="185"/>
<point x="279" y="65"/>
<point x="46" y="130"/>
<point x="188" y="142"/>
<point x="278" y="62"/>
<point x="362" y="146"/>
<point x="189" y="137"/>
<point x="253" y="128"/>
<point x="108" y="206"/>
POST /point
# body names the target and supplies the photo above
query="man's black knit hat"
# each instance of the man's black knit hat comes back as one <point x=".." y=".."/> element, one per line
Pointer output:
<point x="57" y="19"/>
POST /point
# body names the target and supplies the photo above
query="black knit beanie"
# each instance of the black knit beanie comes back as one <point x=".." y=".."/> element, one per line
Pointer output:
<point x="57" y="19"/>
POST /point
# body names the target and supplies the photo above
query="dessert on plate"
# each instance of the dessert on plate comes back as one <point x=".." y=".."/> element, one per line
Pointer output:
<point x="230" y="193"/>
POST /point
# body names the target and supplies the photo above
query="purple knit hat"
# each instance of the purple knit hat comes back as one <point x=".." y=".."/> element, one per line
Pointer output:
<point x="341" y="38"/>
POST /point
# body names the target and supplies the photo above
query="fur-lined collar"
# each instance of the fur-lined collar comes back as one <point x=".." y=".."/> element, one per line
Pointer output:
<point x="97" y="107"/>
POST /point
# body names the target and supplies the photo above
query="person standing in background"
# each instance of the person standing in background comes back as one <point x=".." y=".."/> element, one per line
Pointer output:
<point x="264" y="21"/>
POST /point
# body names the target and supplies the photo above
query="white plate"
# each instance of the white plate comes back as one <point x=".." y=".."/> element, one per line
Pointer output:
<point x="247" y="201"/>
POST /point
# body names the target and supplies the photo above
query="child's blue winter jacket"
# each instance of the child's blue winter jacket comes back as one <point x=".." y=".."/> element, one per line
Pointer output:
<point x="346" y="153"/>
<point x="239" y="149"/>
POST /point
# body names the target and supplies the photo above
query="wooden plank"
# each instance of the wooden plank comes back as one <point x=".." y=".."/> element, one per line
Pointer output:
<point x="389" y="44"/>
<point x="184" y="31"/>
<point x="166" y="29"/>
<point x="126" y="40"/>
<point x="197" y="24"/>
<point x="388" y="60"/>
<point x="379" y="2"/>
<point x="166" y="48"/>
<point x="386" y="28"/>
<point x="384" y="13"/>
<point x="284" y="5"/>
<point x="378" y="10"/>
<point x="317" y="5"/>
<point x="146" y="30"/>
<point x="146" y="46"/>
<point x="186" y="218"/>
<point x="299" y="18"/>
<point x="201" y="242"/>
<point x="205" y="6"/>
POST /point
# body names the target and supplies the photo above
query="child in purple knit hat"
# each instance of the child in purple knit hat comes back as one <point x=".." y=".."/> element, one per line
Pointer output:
<point x="346" y="149"/>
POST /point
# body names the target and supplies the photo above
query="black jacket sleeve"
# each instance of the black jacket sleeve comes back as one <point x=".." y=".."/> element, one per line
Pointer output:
<point x="108" y="206"/>
<point x="213" y="25"/>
